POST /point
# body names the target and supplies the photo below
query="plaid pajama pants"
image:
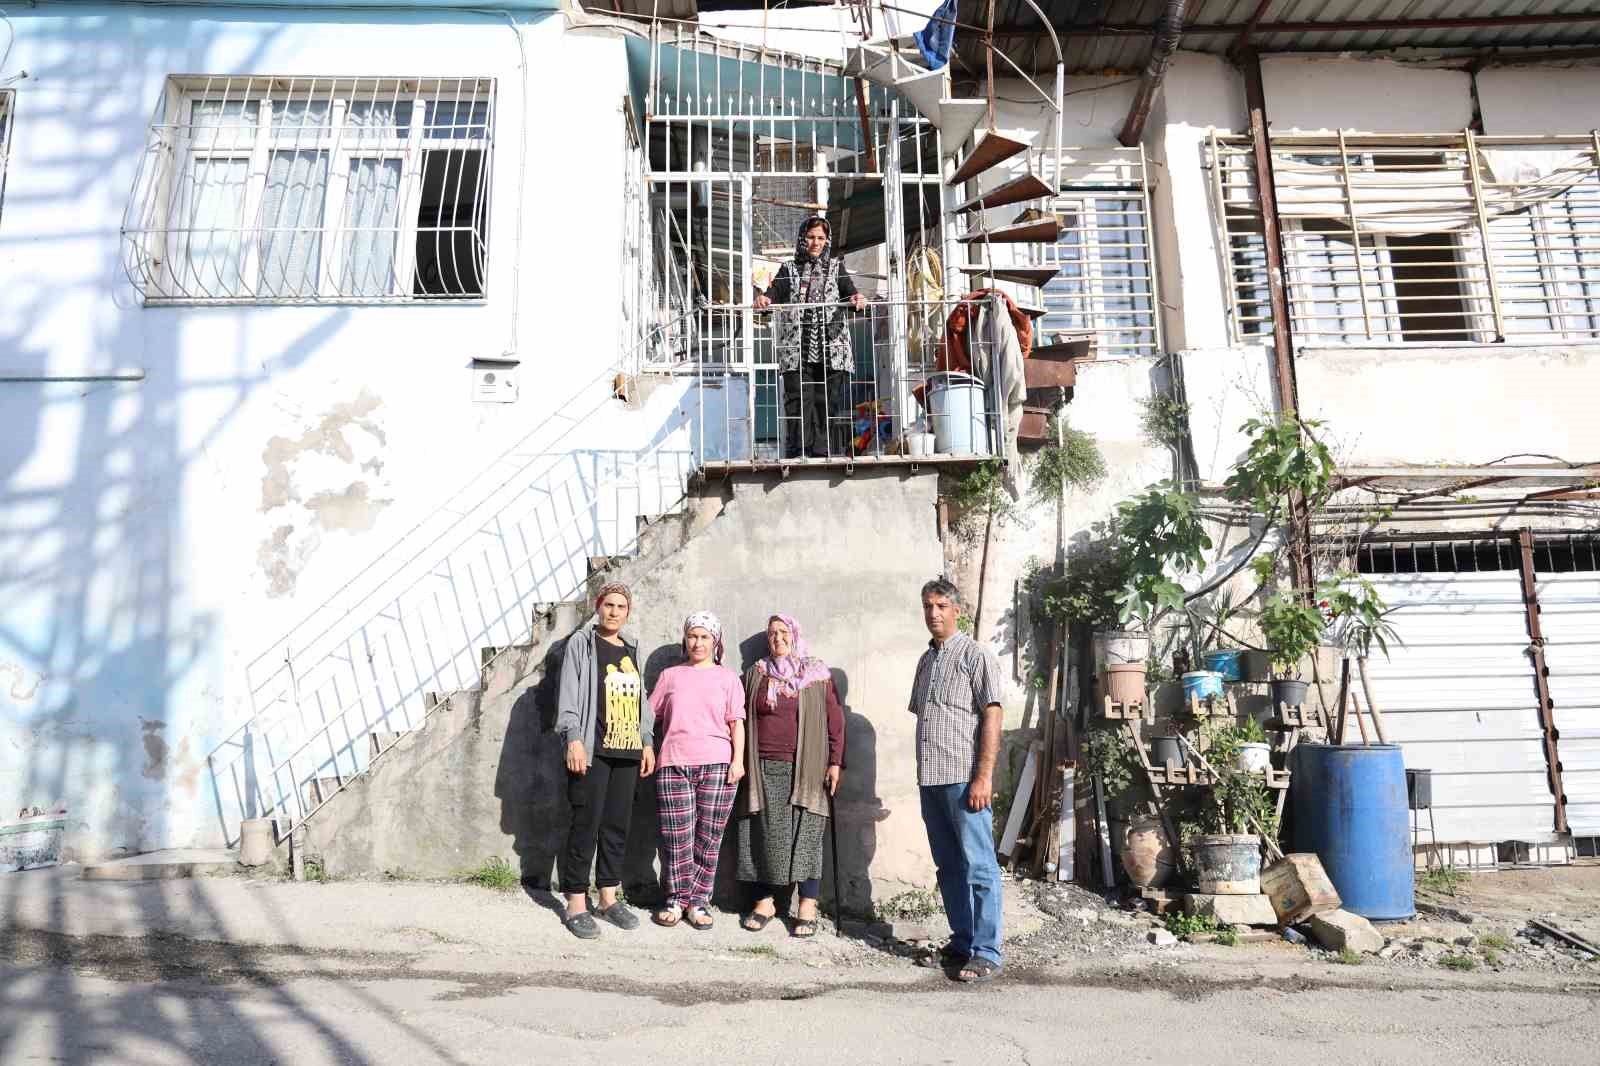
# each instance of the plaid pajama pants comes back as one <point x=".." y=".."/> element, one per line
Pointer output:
<point x="694" y="803"/>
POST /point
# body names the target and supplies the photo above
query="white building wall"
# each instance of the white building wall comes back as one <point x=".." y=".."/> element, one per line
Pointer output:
<point x="159" y="535"/>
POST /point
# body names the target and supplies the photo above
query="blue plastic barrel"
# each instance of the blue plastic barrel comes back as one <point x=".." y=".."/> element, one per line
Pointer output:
<point x="1202" y="683"/>
<point x="1350" y="808"/>
<point x="1229" y="662"/>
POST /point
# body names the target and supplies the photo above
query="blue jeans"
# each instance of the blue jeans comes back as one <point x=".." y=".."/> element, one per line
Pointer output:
<point x="962" y="843"/>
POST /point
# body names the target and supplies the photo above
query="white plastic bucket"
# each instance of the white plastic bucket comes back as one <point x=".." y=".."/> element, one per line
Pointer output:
<point x="955" y="407"/>
<point x="920" y="444"/>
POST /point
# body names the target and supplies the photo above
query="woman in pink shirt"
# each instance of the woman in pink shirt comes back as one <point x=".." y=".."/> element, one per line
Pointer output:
<point x="699" y="737"/>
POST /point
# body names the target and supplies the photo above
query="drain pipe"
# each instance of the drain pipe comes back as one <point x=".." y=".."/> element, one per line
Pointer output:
<point x="1169" y="30"/>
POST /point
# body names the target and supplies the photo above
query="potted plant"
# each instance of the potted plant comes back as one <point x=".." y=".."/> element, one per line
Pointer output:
<point x="1253" y="753"/>
<point x="1227" y="854"/>
<point x="1360" y="622"/>
<point x="1293" y="628"/>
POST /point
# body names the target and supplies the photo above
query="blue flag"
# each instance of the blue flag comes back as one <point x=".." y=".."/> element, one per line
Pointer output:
<point x="935" y="40"/>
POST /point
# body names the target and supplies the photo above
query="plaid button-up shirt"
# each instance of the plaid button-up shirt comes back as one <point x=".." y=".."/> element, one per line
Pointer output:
<point x="954" y="682"/>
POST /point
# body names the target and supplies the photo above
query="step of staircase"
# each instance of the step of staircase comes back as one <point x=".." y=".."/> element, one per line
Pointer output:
<point x="1019" y="275"/>
<point x="956" y="117"/>
<point x="992" y="148"/>
<point x="164" y="865"/>
<point x="1016" y="191"/>
<point x="1034" y="231"/>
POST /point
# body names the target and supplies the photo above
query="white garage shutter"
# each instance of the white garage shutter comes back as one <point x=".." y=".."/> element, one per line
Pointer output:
<point x="1459" y="697"/>
<point x="1570" y="616"/>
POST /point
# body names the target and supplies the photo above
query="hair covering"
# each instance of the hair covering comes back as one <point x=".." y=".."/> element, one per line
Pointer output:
<point x="793" y="672"/>
<point x="617" y="587"/>
<point x="707" y="621"/>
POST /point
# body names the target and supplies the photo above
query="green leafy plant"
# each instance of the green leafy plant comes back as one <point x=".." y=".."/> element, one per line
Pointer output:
<point x="1182" y="925"/>
<point x="1239" y="802"/>
<point x="1086" y="593"/>
<point x="1228" y="937"/>
<point x="1292" y="628"/>
<point x="1284" y="457"/>
<point x="1347" y="957"/>
<point x="759" y="951"/>
<point x="495" y="873"/>
<point x="1161" y="535"/>
<point x="912" y="905"/>
<point x="1250" y="732"/>
<point x="1074" y="462"/>
<point x="1163" y="419"/>
<point x="981" y="498"/>
<point x="1442" y="880"/>
<point x="1494" y="942"/>
<point x="1458" y="962"/>
<point x="315" y="871"/>
<point x="1109" y="758"/>
<point x="1359" y="614"/>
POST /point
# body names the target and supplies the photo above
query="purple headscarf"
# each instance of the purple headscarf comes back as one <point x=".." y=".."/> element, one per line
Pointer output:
<point x="793" y="672"/>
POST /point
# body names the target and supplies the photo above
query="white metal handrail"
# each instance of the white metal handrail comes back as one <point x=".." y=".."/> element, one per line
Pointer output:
<point x="468" y="575"/>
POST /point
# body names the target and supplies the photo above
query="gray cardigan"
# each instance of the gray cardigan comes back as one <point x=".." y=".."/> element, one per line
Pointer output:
<point x="576" y="717"/>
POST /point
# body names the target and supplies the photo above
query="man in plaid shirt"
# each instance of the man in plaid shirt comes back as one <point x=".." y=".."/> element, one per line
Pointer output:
<point x="956" y="698"/>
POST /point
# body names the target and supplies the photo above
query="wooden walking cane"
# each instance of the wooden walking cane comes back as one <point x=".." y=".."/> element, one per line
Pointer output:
<point x="838" y="896"/>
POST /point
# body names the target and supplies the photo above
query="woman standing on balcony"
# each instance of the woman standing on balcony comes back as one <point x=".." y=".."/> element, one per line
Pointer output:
<point x="700" y="715"/>
<point x="794" y="746"/>
<point x="604" y="716"/>
<point x="813" y="342"/>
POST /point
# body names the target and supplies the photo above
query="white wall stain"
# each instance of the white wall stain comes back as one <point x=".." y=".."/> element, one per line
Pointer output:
<point x="307" y="479"/>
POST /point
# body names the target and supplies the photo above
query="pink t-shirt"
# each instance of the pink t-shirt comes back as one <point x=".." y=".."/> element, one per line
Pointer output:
<point x="693" y="707"/>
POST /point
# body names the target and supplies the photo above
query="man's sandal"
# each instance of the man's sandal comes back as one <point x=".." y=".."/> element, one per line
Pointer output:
<point x="755" y="921"/>
<point x="666" y="918"/>
<point x="977" y="970"/>
<point x="940" y="958"/>
<point x="804" y="928"/>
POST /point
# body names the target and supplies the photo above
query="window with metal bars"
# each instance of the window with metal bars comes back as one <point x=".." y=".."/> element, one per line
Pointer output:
<point x="8" y="99"/>
<point x="267" y="190"/>
<point x="1553" y="553"/>
<point x="1104" y="284"/>
<point x="1417" y="240"/>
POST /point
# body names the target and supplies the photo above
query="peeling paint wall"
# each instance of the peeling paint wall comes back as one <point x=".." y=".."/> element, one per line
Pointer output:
<point x="155" y="537"/>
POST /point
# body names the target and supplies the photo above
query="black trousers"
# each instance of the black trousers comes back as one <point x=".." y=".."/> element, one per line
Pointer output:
<point x="811" y="395"/>
<point x="602" y="806"/>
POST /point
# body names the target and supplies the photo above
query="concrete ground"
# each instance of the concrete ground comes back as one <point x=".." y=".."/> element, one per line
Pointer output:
<point x="239" y="971"/>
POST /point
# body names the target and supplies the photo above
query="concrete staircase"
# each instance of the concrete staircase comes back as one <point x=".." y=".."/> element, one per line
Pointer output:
<point x="484" y="777"/>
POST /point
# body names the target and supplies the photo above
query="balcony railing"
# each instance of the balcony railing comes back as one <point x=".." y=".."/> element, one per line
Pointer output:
<point x="913" y="387"/>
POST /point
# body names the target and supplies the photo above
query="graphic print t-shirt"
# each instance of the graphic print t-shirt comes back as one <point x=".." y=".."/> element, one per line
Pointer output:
<point x="620" y="688"/>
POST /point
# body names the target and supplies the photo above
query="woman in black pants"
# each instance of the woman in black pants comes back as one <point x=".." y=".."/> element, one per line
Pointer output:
<point x="604" y="716"/>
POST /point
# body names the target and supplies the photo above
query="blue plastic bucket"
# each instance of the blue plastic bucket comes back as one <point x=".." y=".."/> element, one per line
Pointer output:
<point x="1228" y="663"/>
<point x="1350" y="807"/>
<point x="1201" y="683"/>
<point x="955" y="407"/>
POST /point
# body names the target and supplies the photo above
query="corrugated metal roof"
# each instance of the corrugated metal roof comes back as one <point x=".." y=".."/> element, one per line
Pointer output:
<point x="1121" y="32"/>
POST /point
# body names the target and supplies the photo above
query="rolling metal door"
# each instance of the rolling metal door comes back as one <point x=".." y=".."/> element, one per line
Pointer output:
<point x="1459" y="697"/>
<point x="1569" y="608"/>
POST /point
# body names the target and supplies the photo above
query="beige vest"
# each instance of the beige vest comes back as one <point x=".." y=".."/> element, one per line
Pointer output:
<point x="810" y="751"/>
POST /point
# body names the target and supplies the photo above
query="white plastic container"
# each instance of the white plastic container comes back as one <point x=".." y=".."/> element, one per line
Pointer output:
<point x="919" y="445"/>
<point x="955" y="406"/>
<point x="1254" y="758"/>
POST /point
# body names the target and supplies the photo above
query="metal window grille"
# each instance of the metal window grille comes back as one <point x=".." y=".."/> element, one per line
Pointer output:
<point x="1106" y="282"/>
<point x="268" y="190"/>
<point x="8" y="99"/>
<point x="1417" y="239"/>
<point x="1553" y="553"/>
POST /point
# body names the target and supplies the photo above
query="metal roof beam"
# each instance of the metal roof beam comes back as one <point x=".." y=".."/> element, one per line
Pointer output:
<point x="1260" y="29"/>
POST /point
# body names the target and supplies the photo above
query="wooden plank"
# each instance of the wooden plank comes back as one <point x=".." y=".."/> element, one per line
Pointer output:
<point x="991" y="148"/>
<point x="1017" y="190"/>
<point x="1034" y="231"/>
<point x="1020" y="801"/>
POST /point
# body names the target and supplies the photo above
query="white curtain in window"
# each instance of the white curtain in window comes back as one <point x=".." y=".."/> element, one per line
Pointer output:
<point x="291" y="223"/>
<point x="372" y="228"/>
<point x="209" y="245"/>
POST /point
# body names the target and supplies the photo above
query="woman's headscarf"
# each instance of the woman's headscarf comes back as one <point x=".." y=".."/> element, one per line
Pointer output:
<point x="616" y="587"/>
<point x="707" y="621"/>
<point x="815" y="333"/>
<point x="793" y="672"/>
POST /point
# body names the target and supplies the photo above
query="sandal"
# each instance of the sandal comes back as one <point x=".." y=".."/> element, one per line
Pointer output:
<point x="692" y="916"/>
<point x="581" y="925"/>
<point x="804" y="928"/>
<point x="977" y="970"/>
<point x="666" y="918"/>
<point x="620" y="915"/>
<point x="755" y="921"/>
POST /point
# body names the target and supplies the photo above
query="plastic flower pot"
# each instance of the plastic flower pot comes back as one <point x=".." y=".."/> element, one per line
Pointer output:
<point x="1228" y="662"/>
<point x="1124" y="682"/>
<point x="1254" y="757"/>
<point x="1289" y="693"/>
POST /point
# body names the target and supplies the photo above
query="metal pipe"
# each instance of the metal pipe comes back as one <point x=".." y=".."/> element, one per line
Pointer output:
<point x="1168" y="32"/>
<point x="1541" y="676"/>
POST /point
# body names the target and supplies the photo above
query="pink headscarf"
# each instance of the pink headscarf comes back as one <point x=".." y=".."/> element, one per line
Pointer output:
<point x="793" y="672"/>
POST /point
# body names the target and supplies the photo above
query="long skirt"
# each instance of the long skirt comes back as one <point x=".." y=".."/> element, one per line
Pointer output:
<point x="780" y="844"/>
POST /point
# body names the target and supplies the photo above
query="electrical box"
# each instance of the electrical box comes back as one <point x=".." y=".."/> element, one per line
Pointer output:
<point x="494" y="380"/>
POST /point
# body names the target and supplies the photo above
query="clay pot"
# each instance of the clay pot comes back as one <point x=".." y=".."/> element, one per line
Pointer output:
<point x="1147" y="856"/>
<point x="1124" y="682"/>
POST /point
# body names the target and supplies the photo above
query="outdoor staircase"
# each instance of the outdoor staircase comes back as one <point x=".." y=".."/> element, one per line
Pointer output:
<point x="894" y="63"/>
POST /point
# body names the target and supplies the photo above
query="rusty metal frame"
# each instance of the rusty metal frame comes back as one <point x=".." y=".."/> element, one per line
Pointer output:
<point x="1541" y="677"/>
